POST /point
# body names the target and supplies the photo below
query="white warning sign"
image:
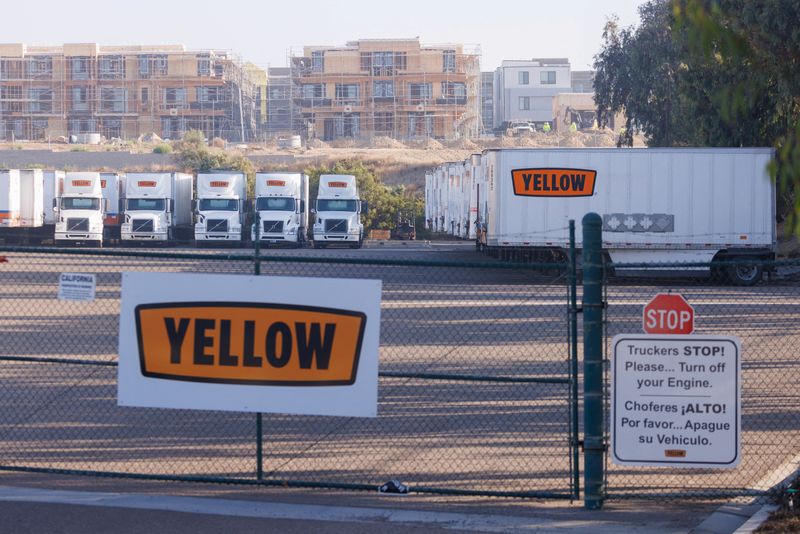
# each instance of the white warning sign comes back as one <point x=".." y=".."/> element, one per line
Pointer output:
<point x="77" y="287"/>
<point x="675" y="400"/>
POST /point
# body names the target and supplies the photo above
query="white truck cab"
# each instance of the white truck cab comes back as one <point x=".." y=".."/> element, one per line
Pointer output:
<point x="157" y="205"/>
<point x="80" y="209"/>
<point x="219" y="207"/>
<point x="337" y="216"/>
<point x="281" y="208"/>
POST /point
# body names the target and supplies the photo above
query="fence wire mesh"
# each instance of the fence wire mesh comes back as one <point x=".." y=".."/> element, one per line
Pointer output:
<point x="765" y="318"/>
<point x="474" y="388"/>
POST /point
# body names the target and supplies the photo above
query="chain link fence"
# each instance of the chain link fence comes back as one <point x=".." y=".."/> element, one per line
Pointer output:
<point x="765" y="317"/>
<point x="474" y="388"/>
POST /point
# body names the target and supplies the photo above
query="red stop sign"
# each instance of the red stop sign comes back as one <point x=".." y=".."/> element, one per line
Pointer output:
<point x="668" y="313"/>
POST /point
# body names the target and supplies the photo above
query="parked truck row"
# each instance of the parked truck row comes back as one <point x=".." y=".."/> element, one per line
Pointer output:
<point x="670" y="205"/>
<point x="97" y="209"/>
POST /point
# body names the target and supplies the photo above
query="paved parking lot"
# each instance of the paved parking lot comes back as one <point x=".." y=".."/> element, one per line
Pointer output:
<point x="468" y="436"/>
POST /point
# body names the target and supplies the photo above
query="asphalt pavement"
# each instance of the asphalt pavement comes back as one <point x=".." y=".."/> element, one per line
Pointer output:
<point x="34" y="503"/>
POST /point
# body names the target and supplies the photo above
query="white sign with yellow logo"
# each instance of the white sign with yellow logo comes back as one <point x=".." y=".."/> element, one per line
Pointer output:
<point x="249" y="343"/>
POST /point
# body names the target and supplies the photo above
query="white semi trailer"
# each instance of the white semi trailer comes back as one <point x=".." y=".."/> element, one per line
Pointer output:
<point x="281" y="208"/>
<point x="27" y="199"/>
<point x="80" y="208"/>
<point x="657" y="204"/>
<point x="9" y="200"/>
<point x="337" y="216"/>
<point x="158" y="207"/>
<point x="220" y="207"/>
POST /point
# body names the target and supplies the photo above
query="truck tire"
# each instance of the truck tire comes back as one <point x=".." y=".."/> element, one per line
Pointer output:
<point x="745" y="274"/>
<point x="318" y="245"/>
<point x="358" y="243"/>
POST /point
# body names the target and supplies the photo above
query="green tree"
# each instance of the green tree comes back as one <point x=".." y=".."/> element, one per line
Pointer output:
<point x="192" y="154"/>
<point x="758" y="45"/>
<point x="384" y="202"/>
<point x="637" y="72"/>
<point x="705" y="73"/>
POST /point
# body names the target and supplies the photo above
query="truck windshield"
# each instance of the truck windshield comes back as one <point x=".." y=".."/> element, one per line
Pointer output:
<point x="337" y="205"/>
<point x="146" y="204"/>
<point x="80" y="203"/>
<point x="219" y="204"/>
<point x="275" y="204"/>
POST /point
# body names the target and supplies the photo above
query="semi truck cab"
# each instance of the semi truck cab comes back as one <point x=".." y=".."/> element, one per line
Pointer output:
<point x="281" y="208"/>
<point x="80" y="209"/>
<point x="156" y="205"/>
<point x="219" y="207"/>
<point x="337" y="216"/>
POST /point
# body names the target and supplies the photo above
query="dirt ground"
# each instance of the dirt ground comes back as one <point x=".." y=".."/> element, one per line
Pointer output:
<point x="397" y="162"/>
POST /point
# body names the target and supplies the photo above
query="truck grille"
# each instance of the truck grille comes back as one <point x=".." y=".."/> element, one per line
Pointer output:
<point x="336" y="226"/>
<point x="273" y="227"/>
<point x="142" y="225"/>
<point x="217" y="225"/>
<point x="77" y="225"/>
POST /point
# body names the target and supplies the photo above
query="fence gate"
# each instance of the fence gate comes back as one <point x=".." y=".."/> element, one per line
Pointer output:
<point x="477" y="391"/>
<point x="765" y="319"/>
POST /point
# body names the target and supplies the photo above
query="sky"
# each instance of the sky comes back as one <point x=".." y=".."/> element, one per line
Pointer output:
<point x="265" y="32"/>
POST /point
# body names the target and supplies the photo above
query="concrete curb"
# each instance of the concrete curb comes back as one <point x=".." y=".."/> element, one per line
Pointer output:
<point x="726" y="519"/>
<point x="757" y="519"/>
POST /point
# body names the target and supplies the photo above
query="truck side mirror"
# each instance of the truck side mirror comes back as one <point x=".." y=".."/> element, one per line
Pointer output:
<point x="55" y="204"/>
<point x="170" y="206"/>
<point x="194" y="205"/>
<point x="313" y="210"/>
<point x="364" y="207"/>
<point x="302" y="206"/>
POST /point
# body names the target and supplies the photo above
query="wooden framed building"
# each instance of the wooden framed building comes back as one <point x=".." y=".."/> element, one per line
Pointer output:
<point x="386" y="87"/>
<point x="123" y="92"/>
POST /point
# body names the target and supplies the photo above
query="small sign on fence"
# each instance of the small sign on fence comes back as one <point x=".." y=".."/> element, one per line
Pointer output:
<point x="675" y="400"/>
<point x="249" y="343"/>
<point x="76" y="287"/>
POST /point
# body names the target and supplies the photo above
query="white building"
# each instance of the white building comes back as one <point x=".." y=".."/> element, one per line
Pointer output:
<point x="524" y="90"/>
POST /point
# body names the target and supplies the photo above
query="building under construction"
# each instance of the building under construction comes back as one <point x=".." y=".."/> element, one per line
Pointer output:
<point x="124" y="92"/>
<point x="386" y="87"/>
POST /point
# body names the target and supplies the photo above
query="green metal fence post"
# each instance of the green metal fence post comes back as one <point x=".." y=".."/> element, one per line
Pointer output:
<point x="573" y="363"/>
<point x="259" y="418"/>
<point x="593" y="442"/>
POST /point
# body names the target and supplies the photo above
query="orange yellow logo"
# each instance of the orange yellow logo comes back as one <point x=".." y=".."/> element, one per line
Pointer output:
<point x="278" y="183"/>
<point x="146" y="183"/>
<point x="337" y="184"/>
<point x="553" y="182"/>
<point x="249" y="343"/>
<point x="218" y="184"/>
<point x="81" y="183"/>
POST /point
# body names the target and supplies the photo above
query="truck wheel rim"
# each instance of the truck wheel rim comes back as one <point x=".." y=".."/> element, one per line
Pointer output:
<point x="746" y="272"/>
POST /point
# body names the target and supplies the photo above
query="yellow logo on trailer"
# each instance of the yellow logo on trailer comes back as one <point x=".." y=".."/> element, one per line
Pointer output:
<point x="553" y="182"/>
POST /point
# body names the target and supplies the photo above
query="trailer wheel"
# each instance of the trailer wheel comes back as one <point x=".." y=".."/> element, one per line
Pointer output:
<point x="318" y="245"/>
<point x="744" y="274"/>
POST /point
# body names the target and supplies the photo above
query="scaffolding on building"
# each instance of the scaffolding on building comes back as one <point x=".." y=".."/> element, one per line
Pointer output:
<point x="395" y="88"/>
<point x="124" y="92"/>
